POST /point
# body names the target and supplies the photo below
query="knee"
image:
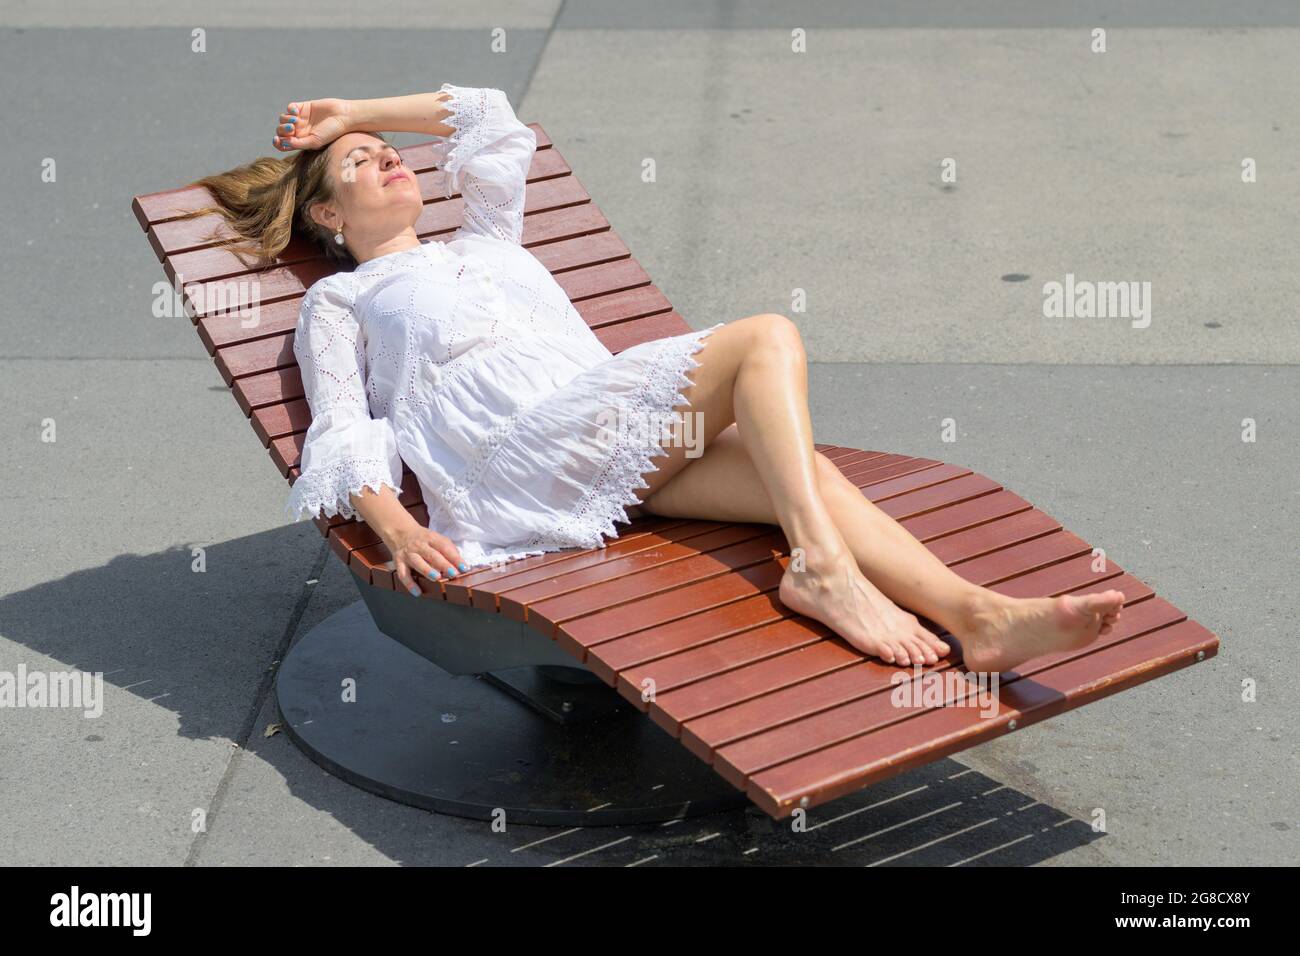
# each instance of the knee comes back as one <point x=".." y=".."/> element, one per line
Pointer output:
<point x="826" y="469"/>
<point x="777" y="332"/>
<point x="829" y="476"/>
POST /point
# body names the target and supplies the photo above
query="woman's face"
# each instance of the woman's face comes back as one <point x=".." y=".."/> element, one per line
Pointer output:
<point x="375" y="195"/>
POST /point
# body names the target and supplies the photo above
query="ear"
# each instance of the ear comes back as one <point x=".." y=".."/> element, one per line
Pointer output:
<point x="324" y="214"/>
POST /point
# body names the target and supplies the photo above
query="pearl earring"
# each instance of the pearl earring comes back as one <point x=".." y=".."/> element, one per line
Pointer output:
<point x="338" y="236"/>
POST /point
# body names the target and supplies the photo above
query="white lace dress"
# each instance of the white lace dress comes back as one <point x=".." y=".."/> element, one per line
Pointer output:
<point x="465" y="360"/>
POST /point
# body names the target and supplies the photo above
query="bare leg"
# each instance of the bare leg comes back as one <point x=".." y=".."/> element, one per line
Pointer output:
<point x="724" y="484"/>
<point x="753" y="372"/>
<point x="728" y="481"/>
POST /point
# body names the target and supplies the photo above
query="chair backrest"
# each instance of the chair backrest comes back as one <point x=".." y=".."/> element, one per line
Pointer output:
<point x="246" y="317"/>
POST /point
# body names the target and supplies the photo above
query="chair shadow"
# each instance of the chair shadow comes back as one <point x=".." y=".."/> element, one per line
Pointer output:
<point x="204" y="646"/>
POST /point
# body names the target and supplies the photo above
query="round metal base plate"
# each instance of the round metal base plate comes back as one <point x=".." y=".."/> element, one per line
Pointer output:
<point x="462" y="746"/>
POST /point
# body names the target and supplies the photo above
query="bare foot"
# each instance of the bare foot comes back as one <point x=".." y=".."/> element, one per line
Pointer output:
<point x="1005" y="632"/>
<point x="832" y="589"/>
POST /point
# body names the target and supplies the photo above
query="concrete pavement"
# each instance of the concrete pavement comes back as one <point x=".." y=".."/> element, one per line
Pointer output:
<point x="776" y="173"/>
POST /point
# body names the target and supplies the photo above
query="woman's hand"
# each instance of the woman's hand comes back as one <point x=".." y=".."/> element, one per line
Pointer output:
<point x="313" y="124"/>
<point x="420" y="551"/>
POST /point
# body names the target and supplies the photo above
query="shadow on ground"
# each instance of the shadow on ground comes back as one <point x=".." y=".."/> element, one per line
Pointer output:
<point x="160" y="636"/>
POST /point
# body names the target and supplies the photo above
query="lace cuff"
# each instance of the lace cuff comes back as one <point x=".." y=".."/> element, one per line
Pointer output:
<point x="330" y="487"/>
<point x="479" y="116"/>
<point x="345" y="451"/>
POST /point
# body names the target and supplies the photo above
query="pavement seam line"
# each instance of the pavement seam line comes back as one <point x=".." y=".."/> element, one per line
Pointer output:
<point x="263" y="692"/>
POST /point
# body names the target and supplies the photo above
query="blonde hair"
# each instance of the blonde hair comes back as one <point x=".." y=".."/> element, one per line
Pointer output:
<point x="264" y="201"/>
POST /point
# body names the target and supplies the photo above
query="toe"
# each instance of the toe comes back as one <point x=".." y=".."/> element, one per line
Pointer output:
<point x="933" y="642"/>
<point x="924" y="652"/>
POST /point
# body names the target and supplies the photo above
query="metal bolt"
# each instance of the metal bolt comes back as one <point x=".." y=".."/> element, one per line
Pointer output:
<point x="1200" y="655"/>
<point x="1011" y="726"/>
<point x="566" y="706"/>
<point x="803" y="802"/>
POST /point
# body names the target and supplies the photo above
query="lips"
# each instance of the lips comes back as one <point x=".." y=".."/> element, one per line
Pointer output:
<point x="394" y="177"/>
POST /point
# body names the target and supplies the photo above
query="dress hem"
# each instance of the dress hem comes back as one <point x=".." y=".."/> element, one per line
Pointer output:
<point x="606" y="502"/>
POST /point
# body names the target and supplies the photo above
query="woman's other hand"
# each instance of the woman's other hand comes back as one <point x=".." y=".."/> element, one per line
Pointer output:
<point x="421" y="551"/>
<point x="312" y="124"/>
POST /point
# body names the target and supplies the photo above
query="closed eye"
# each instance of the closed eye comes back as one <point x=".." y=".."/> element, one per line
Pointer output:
<point x="365" y="154"/>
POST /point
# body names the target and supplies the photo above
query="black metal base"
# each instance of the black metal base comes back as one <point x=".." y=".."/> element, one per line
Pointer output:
<point x="459" y="745"/>
<point x="560" y="693"/>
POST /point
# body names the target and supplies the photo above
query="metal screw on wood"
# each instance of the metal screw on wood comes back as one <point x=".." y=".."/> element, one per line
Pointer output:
<point x="1200" y="655"/>
<point x="1011" y="726"/>
<point x="803" y="802"/>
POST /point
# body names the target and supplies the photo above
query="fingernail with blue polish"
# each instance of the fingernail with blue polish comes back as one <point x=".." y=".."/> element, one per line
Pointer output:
<point x="451" y="572"/>
<point x="434" y="574"/>
<point x="288" y="127"/>
<point x="463" y="566"/>
<point x="415" y="590"/>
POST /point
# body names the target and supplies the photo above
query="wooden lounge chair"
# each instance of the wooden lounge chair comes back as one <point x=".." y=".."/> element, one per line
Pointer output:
<point x="787" y="714"/>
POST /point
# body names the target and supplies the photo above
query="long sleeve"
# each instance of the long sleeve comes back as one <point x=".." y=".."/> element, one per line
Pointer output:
<point x="487" y="158"/>
<point x="345" y="449"/>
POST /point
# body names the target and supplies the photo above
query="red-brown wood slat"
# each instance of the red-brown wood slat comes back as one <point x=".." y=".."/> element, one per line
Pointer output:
<point x="618" y="653"/>
<point x="875" y="706"/>
<point x="510" y="592"/>
<point x="754" y="727"/>
<point x="774" y="702"/>
<point x="842" y="769"/>
<point x="675" y="709"/>
<point x="479" y="587"/>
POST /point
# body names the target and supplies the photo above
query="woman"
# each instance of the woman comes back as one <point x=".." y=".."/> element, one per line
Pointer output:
<point x="465" y="360"/>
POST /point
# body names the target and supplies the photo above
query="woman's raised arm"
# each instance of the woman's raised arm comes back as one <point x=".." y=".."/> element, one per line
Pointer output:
<point x="414" y="113"/>
<point x="311" y="124"/>
<point x="485" y="151"/>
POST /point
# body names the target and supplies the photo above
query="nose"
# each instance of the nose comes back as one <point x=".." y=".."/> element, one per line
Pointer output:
<point x="391" y="158"/>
